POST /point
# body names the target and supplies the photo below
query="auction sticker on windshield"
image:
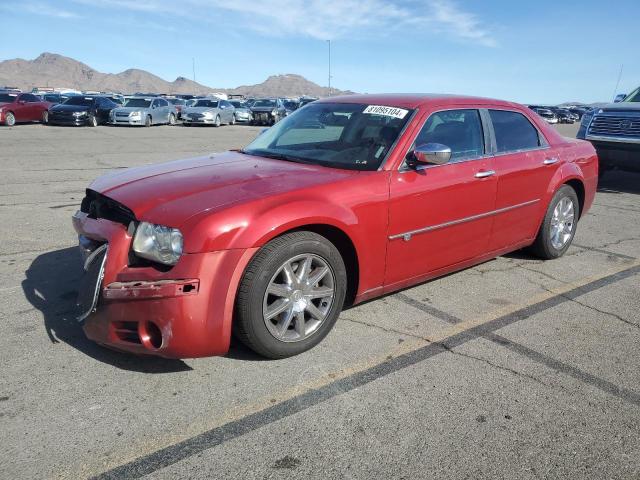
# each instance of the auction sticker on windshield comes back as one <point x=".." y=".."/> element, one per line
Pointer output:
<point x="386" y="111"/>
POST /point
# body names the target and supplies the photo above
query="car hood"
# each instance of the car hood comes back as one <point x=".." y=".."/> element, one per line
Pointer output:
<point x="170" y="193"/>
<point x="200" y="109"/>
<point x="620" y="107"/>
<point x="61" y="107"/>
<point x="130" y="109"/>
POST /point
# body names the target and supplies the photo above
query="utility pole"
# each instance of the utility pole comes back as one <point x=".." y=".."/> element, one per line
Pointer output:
<point x="615" y="91"/>
<point x="193" y="63"/>
<point x="329" y="42"/>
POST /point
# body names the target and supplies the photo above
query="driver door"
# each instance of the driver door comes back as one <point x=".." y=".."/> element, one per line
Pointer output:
<point x="439" y="215"/>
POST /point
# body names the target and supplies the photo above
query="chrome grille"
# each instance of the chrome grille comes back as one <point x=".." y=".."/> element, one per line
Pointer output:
<point x="615" y="125"/>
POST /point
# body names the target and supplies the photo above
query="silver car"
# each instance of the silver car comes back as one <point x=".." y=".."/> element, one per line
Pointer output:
<point x="144" y="111"/>
<point x="209" y="111"/>
<point x="243" y="112"/>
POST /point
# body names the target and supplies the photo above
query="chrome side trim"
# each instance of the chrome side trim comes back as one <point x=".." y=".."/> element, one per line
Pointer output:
<point x="407" y="235"/>
<point x="603" y="138"/>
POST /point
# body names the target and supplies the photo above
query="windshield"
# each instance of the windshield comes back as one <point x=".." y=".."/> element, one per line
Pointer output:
<point x="633" y="96"/>
<point x="84" y="101"/>
<point x="291" y="105"/>
<point x="342" y="135"/>
<point x="264" y="103"/>
<point x="7" y="97"/>
<point x="206" y="103"/>
<point x="237" y="104"/>
<point x="138" y="102"/>
<point x="176" y="101"/>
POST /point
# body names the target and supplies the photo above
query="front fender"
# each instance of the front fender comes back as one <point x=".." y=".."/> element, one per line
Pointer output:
<point x="253" y="226"/>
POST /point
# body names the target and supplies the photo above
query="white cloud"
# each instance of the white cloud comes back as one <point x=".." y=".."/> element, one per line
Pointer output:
<point x="39" y="8"/>
<point x="324" y="19"/>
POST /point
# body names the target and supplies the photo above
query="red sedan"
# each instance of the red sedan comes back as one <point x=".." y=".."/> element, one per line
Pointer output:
<point x="344" y="200"/>
<point x="22" y="107"/>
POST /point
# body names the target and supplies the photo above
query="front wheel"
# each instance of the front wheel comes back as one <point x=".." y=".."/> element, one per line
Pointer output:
<point x="217" y="123"/>
<point x="147" y="121"/>
<point x="45" y="117"/>
<point x="93" y="121"/>
<point x="559" y="225"/>
<point x="290" y="295"/>
<point x="172" y="119"/>
<point x="233" y="120"/>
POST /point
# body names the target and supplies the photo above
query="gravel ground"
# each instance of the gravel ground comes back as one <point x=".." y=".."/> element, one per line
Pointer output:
<point x="516" y="368"/>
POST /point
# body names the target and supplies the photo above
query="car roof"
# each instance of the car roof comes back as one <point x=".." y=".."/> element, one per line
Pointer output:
<point x="416" y="100"/>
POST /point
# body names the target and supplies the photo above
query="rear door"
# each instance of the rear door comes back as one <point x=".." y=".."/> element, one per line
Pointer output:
<point x="439" y="215"/>
<point x="524" y="164"/>
<point x="22" y="109"/>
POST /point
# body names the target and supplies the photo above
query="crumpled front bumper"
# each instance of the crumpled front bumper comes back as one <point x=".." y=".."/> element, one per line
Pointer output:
<point x="181" y="312"/>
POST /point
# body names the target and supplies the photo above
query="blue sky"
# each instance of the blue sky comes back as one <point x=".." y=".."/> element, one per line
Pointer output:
<point x="547" y="51"/>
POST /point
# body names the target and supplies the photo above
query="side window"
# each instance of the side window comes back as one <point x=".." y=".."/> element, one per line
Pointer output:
<point x="27" y="97"/>
<point x="163" y="103"/>
<point x="513" y="131"/>
<point x="460" y="130"/>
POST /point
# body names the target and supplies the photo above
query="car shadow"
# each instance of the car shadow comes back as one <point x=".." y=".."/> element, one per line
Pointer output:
<point x="50" y="285"/>
<point x="617" y="181"/>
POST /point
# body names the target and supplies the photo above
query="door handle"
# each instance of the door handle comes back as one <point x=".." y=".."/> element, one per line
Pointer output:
<point x="485" y="173"/>
<point x="550" y="161"/>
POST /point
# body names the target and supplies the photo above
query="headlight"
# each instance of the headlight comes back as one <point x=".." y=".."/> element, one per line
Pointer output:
<point x="274" y="112"/>
<point x="208" y="114"/>
<point x="135" y="114"/>
<point x="586" y="118"/>
<point x="79" y="114"/>
<point x="158" y="243"/>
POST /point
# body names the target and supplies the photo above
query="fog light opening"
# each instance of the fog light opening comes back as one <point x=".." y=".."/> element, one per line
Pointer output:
<point x="151" y="336"/>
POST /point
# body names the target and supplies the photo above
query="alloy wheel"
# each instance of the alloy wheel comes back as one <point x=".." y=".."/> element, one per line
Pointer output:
<point x="298" y="298"/>
<point x="562" y="223"/>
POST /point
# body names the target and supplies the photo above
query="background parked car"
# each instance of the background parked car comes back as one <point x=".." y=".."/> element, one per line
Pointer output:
<point x="564" y="115"/>
<point x="290" y="105"/>
<point x="267" y="111"/>
<point x="22" y="107"/>
<point x="242" y="112"/>
<point x="209" y="111"/>
<point x="144" y="111"/>
<point x="305" y="100"/>
<point x="547" y="114"/>
<point x="178" y="104"/>
<point x="82" y="110"/>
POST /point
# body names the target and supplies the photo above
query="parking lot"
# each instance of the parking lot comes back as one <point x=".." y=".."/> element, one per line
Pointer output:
<point x="516" y="368"/>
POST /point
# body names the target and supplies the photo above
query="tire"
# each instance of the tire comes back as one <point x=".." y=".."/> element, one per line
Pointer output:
<point x="547" y="245"/>
<point x="186" y="124"/>
<point x="9" y="119"/>
<point x="233" y="120"/>
<point x="45" y="117"/>
<point x="217" y="123"/>
<point x="93" y="121"/>
<point x="147" y="121"/>
<point x="172" y="119"/>
<point x="256" y="330"/>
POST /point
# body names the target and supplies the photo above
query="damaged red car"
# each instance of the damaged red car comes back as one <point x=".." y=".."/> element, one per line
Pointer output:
<point x="342" y="201"/>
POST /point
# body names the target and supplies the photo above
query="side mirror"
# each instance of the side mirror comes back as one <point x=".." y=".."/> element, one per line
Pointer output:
<point x="432" y="153"/>
<point x="620" y="97"/>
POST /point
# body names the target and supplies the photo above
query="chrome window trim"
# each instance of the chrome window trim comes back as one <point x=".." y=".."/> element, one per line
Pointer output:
<point x="403" y="168"/>
<point x="406" y="236"/>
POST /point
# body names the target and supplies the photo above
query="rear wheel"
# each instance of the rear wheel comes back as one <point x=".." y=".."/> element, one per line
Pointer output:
<point x="147" y="121"/>
<point x="9" y="119"/>
<point x="217" y="122"/>
<point x="45" y="117"/>
<point x="559" y="225"/>
<point x="290" y="295"/>
<point x="172" y="119"/>
<point x="233" y="119"/>
<point x="93" y="121"/>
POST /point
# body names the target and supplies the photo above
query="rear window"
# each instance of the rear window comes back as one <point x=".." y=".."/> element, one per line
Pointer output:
<point x="8" y="97"/>
<point x="513" y="131"/>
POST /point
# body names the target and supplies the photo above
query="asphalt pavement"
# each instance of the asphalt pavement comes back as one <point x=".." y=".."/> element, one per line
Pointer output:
<point x="516" y="368"/>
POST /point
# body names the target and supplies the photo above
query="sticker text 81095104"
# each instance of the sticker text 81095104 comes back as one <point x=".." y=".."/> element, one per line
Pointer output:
<point x="386" y="111"/>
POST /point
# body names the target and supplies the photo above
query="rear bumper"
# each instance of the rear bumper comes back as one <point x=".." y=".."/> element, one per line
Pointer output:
<point x="182" y="312"/>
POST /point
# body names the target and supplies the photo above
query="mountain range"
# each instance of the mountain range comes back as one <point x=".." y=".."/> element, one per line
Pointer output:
<point x="53" y="70"/>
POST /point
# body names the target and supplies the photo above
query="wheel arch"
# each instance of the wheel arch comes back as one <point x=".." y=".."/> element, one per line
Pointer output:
<point x="578" y="187"/>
